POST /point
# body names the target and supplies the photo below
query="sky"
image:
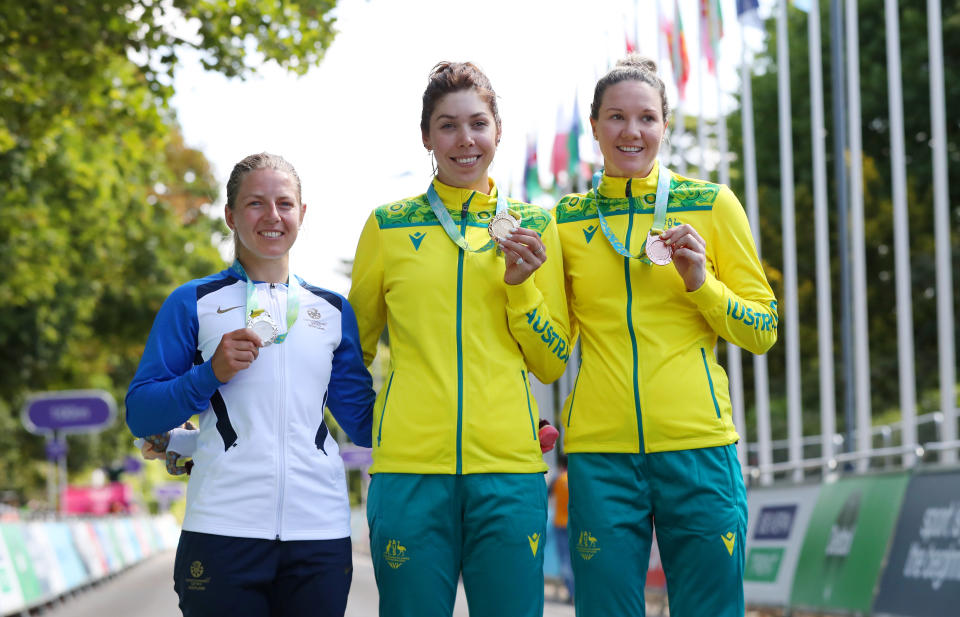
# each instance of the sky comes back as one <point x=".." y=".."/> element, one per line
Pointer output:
<point x="351" y="125"/>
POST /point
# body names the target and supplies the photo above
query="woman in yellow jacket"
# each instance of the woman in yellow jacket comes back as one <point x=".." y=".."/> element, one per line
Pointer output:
<point x="458" y="484"/>
<point x="657" y="267"/>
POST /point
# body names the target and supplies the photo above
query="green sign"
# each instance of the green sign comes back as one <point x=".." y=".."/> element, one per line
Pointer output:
<point x="22" y="563"/>
<point x="846" y="542"/>
<point x="763" y="564"/>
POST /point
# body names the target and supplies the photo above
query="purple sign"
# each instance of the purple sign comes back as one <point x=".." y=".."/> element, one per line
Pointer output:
<point x="775" y="522"/>
<point x="356" y="458"/>
<point x="69" y="411"/>
<point x="169" y="491"/>
<point x="56" y="449"/>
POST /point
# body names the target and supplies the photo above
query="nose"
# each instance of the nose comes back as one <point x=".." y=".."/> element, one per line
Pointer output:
<point x="273" y="211"/>
<point x="632" y="128"/>
<point x="465" y="137"/>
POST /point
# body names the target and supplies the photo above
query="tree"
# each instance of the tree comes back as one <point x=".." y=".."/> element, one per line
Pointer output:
<point x="104" y="208"/>
<point x="881" y="294"/>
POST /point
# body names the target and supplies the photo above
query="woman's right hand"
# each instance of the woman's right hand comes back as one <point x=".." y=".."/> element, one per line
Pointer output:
<point x="237" y="350"/>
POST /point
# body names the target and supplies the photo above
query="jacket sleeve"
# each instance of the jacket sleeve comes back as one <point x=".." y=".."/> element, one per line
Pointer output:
<point x="351" y="394"/>
<point x="366" y="289"/>
<point x="537" y="313"/>
<point x="168" y="388"/>
<point x="737" y="302"/>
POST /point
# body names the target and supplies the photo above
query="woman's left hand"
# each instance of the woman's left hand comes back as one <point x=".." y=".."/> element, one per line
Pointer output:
<point x="523" y="252"/>
<point x="689" y="254"/>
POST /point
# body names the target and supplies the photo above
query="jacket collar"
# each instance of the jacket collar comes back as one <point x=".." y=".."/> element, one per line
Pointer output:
<point x="454" y="197"/>
<point x="616" y="188"/>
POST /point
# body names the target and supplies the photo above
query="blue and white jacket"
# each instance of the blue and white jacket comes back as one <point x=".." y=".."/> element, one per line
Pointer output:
<point x="265" y="465"/>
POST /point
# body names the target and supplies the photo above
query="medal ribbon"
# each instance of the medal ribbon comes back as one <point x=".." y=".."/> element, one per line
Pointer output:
<point x="293" y="299"/>
<point x="446" y="221"/>
<point x="659" y="211"/>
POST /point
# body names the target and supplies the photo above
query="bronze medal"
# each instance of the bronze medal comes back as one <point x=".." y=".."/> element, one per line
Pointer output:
<point x="657" y="250"/>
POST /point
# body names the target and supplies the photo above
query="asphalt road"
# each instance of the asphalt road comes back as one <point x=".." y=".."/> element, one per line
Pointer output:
<point x="146" y="590"/>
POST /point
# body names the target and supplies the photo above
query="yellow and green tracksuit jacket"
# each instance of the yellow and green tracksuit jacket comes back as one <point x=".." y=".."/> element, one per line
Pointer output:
<point x="648" y="377"/>
<point x="457" y="398"/>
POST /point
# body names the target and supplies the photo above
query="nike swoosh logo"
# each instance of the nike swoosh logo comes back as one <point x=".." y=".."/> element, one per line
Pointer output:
<point x="224" y="310"/>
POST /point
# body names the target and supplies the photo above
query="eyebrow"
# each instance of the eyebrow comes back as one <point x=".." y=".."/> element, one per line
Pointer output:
<point x="452" y="117"/>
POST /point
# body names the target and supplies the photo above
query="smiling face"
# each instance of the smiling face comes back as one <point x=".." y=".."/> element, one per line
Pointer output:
<point x="463" y="136"/>
<point x="629" y="128"/>
<point x="265" y="216"/>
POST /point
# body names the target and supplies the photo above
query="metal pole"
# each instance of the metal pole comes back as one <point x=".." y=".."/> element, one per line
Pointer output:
<point x="837" y="81"/>
<point x="861" y="341"/>
<point x="828" y="409"/>
<point x="941" y="214"/>
<point x="734" y="361"/>
<point x="761" y="385"/>
<point x="790" y="320"/>
<point x="901" y="234"/>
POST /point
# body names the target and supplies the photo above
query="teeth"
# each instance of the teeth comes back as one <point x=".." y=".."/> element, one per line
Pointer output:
<point x="467" y="160"/>
<point x="629" y="148"/>
<point x="270" y="234"/>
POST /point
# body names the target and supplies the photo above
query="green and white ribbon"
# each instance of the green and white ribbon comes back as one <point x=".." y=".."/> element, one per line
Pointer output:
<point x="446" y="221"/>
<point x="293" y="299"/>
<point x="659" y="211"/>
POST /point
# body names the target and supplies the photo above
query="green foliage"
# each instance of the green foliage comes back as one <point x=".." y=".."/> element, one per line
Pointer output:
<point x="878" y="207"/>
<point x="104" y="209"/>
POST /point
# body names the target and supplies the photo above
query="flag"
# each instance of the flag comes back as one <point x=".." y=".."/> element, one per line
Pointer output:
<point x="710" y="41"/>
<point x="575" y="162"/>
<point x="531" y="173"/>
<point x="560" y="155"/>
<point x="677" y="43"/>
<point x="747" y="13"/>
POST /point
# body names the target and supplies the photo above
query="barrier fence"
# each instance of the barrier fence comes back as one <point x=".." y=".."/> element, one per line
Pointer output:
<point x="41" y="561"/>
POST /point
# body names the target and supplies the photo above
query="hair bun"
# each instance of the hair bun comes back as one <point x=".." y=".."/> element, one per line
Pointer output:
<point x="635" y="60"/>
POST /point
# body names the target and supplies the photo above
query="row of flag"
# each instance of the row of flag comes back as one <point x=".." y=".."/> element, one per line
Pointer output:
<point x="572" y="160"/>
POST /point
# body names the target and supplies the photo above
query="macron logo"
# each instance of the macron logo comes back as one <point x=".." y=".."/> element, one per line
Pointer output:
<point x="588" y="232"/>
<point x="416" y="239"/>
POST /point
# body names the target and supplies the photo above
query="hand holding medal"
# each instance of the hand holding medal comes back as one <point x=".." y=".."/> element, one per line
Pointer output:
<point x="689" y="253"/>
<point x="237" y="350"/>
<point x="523" y="253"/>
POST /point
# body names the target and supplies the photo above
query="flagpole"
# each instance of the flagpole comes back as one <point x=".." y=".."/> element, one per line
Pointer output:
<point x="861" y="341"/>
<point x="941" y="213"/>
<point x="760" y="380"/>
<point x="838" y="79"/>
<point x="901" y="235"/>
<point x="734" y="359"/>
<point x="828" y="409"/>
<point x="788" y="227"/>
<point x="701" y="128"/>
<point x="678" y="111"/>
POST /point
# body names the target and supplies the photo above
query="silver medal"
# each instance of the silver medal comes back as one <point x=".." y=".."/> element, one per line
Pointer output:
<point x="260" y="322"/>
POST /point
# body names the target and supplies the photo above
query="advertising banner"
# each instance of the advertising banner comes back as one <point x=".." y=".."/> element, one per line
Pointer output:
<point x="922" y="576"/>
<point x="110" y="551"/>
<point x="88" y="545"/>
<point x="17" y="547"/>
<point x="778" y="521"/>
<point x="845" y="543"/>
<point x="44" y="559"/>
<point x="71" y="567"/>
<point x="11" y="598"/>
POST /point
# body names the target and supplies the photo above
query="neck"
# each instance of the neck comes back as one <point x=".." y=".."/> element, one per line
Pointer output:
<point x="482" y="185"/>
<point x="266" y="270"/>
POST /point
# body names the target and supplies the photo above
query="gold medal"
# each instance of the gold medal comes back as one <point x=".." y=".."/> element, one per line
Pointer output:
<point x="503" y="224"/>
<point x="260" y="322"/>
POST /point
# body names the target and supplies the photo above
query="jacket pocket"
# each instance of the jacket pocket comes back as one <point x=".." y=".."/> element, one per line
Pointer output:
<point x="383" y="411"/>
<point x="713" y="394"/>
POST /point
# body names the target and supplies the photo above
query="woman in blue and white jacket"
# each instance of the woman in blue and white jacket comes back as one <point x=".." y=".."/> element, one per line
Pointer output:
<point x="258" y="353"/>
